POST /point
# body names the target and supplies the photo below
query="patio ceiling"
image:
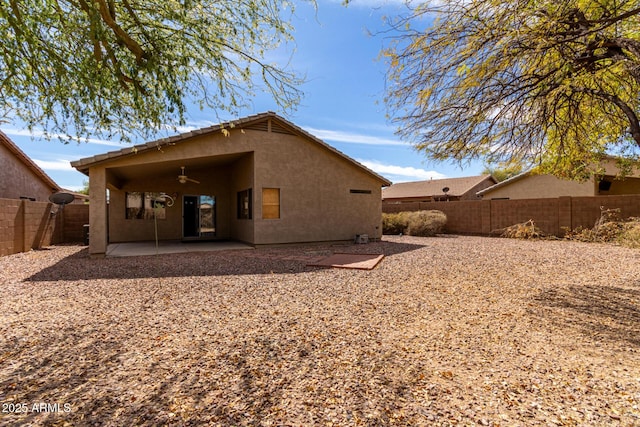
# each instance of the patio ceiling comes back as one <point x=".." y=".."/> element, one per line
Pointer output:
<point x="121" y="175"/>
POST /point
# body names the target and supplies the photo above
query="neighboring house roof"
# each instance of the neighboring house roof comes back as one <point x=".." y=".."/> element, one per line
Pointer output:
<point x="77" y="196"/>
<point x="255" y="122"/>
<point x="504" y="183"/>
<point x="30" y="164"/>
<point x="433" y="187"/>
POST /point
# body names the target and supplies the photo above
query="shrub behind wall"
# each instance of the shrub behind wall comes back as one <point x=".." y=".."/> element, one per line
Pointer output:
<point x="419" y="223"/>
<point x="395" y="223"/>
<point x="426" y="223"/>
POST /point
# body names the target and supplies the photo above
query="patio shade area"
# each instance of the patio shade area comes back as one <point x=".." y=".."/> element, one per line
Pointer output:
<point x="170" y="247"/>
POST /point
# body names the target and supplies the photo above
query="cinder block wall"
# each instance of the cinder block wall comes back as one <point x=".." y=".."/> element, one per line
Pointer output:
<point x="75" y="217"/>
<point x="11" y="226"/>
<point x="544" y="213"/>
<point x="461" y="215"/>
<point x="486" y="217"/>
<point x="39" y="224"/>
<point x="585" y="211"/>
<point x="26" y="225"/>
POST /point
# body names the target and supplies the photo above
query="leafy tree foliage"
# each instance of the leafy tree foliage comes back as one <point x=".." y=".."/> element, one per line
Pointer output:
<point x="551" y="82"/>
<point x="85" y="187"/>
<point x="116" y="67"/>
<point x="503" y="171"/>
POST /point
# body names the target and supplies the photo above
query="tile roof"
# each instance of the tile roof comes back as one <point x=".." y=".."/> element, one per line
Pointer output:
<point x="83" y="164"/>
<point x="457" y="187"/>
<point x="30" y="164"/>
<point x="506" y="182"/>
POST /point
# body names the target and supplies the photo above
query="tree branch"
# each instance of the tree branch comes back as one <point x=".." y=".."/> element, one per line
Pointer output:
<point x="634" y="123"/>
<point x="131" y="44"/>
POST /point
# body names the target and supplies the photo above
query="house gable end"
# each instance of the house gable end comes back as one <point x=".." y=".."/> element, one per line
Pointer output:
<point x="265" y="122"/>
<point x="22" y="176"/>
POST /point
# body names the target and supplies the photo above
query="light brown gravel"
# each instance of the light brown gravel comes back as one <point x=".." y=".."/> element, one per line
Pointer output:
<point x="445" y="331"/>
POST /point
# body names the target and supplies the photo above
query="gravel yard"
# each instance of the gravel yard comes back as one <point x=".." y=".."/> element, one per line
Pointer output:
<point x="445" y="331"/>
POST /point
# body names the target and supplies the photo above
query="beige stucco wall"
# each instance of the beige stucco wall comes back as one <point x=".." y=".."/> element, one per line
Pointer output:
<point x="611" y="168"/>
<point x="315" y="183"/>
<point x="242" y="178"/>
<point x="17" y="180"/>
<point x="315" y="199"/>
<point x="628" y="185"/>
<point x="541" y="186"/>
<point x="98" y="210"/>
<point x="471" y="194"/>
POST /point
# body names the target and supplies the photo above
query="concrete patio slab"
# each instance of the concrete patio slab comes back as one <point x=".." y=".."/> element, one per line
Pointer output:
<point x="170" y="247"/>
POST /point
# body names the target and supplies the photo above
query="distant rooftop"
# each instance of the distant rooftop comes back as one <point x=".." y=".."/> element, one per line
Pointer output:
<point x="433" y="187"/>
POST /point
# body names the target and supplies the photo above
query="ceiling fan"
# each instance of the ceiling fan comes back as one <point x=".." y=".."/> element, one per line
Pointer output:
<point x="182" y="178"/>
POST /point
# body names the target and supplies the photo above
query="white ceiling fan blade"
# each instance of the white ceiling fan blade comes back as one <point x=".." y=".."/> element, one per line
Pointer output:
<point x="183" y="178"/>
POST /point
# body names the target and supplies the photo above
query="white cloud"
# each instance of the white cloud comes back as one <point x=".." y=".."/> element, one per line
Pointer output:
<point x="40" y="133"/>
<point x="188" y="127"/>
<point x="55" y="165"/>
<point x="401" y="173"/>
<point x="72" y="187"/>
<point x="353" y="138"/>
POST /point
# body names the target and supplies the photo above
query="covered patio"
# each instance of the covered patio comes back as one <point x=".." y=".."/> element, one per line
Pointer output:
<point x="260" y="180"/>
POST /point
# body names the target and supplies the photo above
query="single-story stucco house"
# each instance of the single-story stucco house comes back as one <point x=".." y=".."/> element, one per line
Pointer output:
<point x="530" y="185"/>
<point x="260" y="180"/>
<point x="435" y="190"/>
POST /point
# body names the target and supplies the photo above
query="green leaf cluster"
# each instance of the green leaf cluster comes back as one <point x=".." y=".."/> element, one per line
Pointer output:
<point x="129" y="67"/>
<point x="536" y="81"/>
<point x="504" y="170"/>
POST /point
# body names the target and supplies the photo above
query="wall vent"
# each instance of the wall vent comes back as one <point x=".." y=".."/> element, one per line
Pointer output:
<point x="276" y="128"/>
<point x="260" y="126"/>
<point x="264" y="127"/>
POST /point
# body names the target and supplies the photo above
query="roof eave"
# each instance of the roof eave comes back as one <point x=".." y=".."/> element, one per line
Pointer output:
<point x="83" y="165"/>
<point x="504" y="183"/>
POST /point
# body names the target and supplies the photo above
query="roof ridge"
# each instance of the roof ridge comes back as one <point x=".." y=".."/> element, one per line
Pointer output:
<point x="505" y="182"/>
<point x="82" y="164"/>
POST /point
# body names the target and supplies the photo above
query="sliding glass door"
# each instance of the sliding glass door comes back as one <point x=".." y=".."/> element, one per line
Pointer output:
<point x="199" y="217"/>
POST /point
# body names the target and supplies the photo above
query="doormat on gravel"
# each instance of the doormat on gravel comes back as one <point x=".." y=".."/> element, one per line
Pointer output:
<point x="355" y="261"/>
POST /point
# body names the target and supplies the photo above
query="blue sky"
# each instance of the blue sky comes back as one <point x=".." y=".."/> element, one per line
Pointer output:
<point x="343" y="103"/>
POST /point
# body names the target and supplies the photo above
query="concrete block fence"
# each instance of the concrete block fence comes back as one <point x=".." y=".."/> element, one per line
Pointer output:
<point x="553" y="216"/>
<point x="26" y="225"/>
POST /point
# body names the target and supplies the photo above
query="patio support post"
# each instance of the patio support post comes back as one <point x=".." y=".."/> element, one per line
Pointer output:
<point x="97" y="211"/>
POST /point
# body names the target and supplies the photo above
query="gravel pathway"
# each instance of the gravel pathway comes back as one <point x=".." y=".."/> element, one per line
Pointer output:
<point x="445" y="331"/>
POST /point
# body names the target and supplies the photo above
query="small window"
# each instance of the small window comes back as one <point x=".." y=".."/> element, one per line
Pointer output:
<point x="141" y="205"/>
<point x="244" y="204"/>
<point x="270" y="203"/>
